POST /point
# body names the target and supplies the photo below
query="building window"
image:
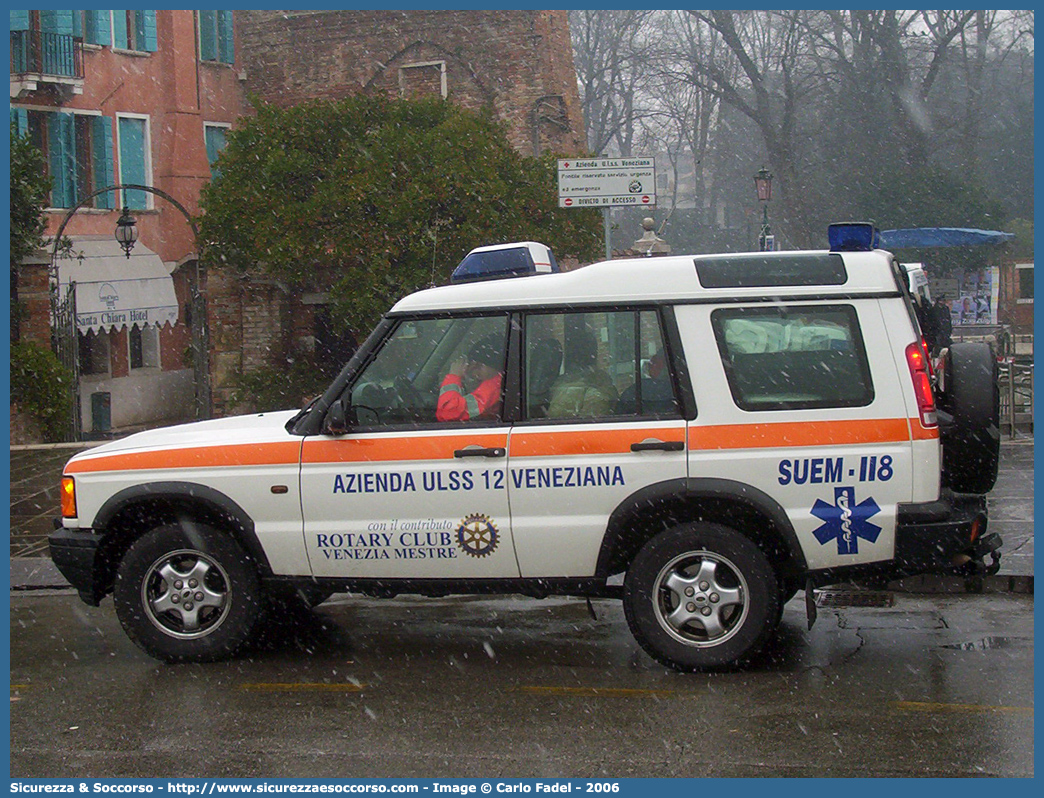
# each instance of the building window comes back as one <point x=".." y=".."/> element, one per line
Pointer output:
<point x="144" y="348"/>
<point x="135" y="166"/>
<point x="214" y="138"/>
<point x="134" y="30"/>
<point x="215" y="36"/>
<point x="1024" y="274"/>
<point x="423" y="80"/>
<point x="78" y="153"/>
<point x="94" y="353"/>
<point x="94" y="27"/>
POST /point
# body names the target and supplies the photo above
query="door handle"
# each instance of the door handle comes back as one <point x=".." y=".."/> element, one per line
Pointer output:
<point x="654" y="445"/>
<point x="479" y="451"/>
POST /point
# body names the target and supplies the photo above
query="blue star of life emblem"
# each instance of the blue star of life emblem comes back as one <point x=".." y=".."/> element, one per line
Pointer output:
<point x="846" y="521"/>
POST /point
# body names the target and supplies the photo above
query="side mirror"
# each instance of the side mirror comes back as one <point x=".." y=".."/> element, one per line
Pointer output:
<point x="338" y="420"/>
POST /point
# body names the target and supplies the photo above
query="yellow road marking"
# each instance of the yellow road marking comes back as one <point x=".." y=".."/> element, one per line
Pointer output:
<point x="20" y="686"/>
<point x="611" y="692"/>
<point x="301" y="687"/>
<point x="928" y="706"/>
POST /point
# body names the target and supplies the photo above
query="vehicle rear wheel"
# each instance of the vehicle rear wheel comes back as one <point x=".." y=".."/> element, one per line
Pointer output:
<point x="701" y="596"/>
<point x="187" y="594"/>
<point x="971" y="444"/>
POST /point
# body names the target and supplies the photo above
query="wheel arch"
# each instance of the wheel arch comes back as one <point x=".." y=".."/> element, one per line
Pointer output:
<point x="656" y="508"/>
<point x="132" y="511"/>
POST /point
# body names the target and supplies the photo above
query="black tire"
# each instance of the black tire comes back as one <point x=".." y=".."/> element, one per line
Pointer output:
<point x="187" y="594"/>
<point x="971" y="445"/>
<point x="732" y="609"/>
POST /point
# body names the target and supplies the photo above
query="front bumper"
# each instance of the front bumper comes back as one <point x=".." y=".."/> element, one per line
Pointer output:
<point x="77" y="554"/>
<point x="944" y="536"/>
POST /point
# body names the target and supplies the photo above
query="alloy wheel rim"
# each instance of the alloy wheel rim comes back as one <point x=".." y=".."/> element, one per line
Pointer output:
<point x="186" y="594"/>
<point x="700" y="599"/>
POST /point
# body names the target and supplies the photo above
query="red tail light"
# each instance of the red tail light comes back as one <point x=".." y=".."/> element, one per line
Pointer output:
<point x="922" y="383"/>
<point x="931" y="368"/>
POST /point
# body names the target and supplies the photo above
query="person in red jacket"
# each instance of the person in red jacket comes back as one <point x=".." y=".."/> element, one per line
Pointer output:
<point x="483" y="366"/>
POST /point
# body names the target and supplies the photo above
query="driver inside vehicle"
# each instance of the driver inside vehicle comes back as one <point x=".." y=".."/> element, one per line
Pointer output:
<point x="483" y="369"/>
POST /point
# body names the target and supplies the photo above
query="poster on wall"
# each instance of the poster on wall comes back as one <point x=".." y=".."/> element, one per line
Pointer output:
<point x="976" y="299"/>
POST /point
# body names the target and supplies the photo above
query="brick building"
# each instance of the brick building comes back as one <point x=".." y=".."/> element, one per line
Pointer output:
<point x="109" y="97"/>
<point x="146" y="97"/>
<point x="519" y="63"/>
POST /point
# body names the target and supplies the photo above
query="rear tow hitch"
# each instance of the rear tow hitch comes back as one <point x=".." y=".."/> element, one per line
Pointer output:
<point x="973" y="561"/>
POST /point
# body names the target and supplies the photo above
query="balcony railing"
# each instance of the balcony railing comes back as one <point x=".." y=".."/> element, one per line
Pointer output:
<point x="49" y="54"/>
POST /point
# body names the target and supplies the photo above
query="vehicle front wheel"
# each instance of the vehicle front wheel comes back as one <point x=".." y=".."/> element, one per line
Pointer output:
<point x="187" y="594"/>
<point x="701" y="596"/>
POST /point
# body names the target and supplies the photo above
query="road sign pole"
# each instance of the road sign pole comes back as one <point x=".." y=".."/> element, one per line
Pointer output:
<point x="608" y="238"/>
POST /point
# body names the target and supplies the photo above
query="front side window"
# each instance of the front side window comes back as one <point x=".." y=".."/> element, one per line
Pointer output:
<point x="788" y="358"/>
<point x="581" y="366"/>
<point x="435" y="371"/>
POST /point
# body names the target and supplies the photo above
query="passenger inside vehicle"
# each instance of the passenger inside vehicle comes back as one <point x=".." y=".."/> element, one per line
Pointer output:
<point x="584" y="389"/>
<point x="657" y="395"/>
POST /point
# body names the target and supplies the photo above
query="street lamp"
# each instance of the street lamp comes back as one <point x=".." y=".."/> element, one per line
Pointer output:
<point x="763" y="186"/>
<point x="126" y="231"/>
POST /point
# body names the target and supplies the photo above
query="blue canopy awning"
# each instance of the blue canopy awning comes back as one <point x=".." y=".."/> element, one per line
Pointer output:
<point x="941" y="237"/>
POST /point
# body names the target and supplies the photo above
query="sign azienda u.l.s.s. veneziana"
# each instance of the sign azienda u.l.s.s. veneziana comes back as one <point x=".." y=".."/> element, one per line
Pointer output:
<point x="601" y="182"/>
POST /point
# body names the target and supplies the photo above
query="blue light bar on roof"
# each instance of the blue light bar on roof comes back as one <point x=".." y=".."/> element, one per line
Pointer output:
<point x="505" y="260"/>
<point x="853" y="237"/>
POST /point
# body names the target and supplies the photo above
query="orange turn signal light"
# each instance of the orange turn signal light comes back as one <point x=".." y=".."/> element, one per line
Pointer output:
<point x="68" y="497"/>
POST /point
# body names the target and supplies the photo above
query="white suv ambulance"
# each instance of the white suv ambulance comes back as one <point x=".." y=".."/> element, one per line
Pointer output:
<point x="699" y="436"/>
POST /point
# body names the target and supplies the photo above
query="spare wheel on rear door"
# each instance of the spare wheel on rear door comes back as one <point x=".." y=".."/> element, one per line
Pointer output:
<point x="971" y="443"/>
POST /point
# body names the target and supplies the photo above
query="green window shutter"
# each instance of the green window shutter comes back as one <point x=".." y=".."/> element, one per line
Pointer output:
<point x="132" y="160"/>
<point x="77" y="21"/>
<point x="208" y="44"/>
<point x="20" y="119"/>
<point x="61" y="147"/>
<point x="99" y="27"/>
<point x="119" y="29"/>
<point x="225" y="37"/>
<point x="214" y="137"/>
<point x="19" y="42"/>
<point x="145" y="30"/>
<point x="101" y="139"/>
<point x="56" y="21"/>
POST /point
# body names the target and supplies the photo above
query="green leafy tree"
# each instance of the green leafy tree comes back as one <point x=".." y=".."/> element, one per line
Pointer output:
<point x="377" y="198"/>
<point x="29" y="193"/>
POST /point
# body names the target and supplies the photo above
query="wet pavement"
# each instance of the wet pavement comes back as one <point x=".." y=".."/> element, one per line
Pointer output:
<point x="926" y="686"/>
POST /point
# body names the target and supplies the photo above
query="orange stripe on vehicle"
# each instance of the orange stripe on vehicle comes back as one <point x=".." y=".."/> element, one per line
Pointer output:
<point x="218" y="456"/>
<point x="814" y="433"/>
<point x="545" y="444"/>
<point x="378" y="450"/>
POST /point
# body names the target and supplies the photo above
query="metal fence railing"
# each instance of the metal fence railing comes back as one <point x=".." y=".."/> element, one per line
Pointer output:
<point x="36" y="52"/>
<point x="1016" y="397"/>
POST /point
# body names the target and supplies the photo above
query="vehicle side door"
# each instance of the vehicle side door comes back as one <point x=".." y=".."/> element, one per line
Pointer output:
<point x="405" y="491"/>
<point x="600" y="420"/>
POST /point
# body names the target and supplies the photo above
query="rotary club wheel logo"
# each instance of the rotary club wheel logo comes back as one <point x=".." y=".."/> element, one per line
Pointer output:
<point x="477" y="535"/>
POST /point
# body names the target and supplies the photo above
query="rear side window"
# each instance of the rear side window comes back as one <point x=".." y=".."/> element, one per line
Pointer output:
<point x="793" y="358"/>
